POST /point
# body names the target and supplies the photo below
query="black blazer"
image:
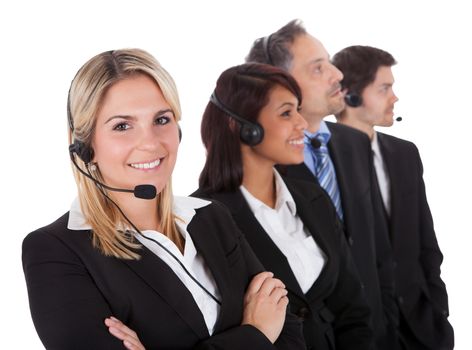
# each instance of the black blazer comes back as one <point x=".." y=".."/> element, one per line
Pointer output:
<point x="334" y="311"/>
<point x="72" y="288"/>
<point x="421" y="293"/>
<point x="365" y="230"/>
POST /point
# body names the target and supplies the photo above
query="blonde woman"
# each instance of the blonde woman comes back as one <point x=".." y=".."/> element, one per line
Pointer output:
<point x="175" y="270"/>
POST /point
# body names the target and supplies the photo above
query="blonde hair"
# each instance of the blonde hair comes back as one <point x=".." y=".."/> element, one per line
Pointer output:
<point x="86" y="94"/>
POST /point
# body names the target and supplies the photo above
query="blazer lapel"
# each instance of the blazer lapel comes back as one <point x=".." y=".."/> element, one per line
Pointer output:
<point x="215" y="260"/>
<point x="308" y="202"/>
<point x="341" y="155"/>
<point x="266" y="250"/>
<point x="388" y="156"/>
<point x="160" y="277"/>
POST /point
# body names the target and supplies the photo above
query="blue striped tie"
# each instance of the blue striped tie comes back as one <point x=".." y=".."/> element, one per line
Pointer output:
<point x="324" y="171"/>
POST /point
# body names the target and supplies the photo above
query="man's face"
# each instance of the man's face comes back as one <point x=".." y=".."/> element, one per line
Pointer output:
<point x="318" y="79"/>
<point x="379" y="99"/>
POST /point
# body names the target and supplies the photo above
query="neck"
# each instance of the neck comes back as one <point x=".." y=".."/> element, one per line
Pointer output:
<point x="313" y="121"/>
<point x="141" y="212"/>
<point x="259" y="180"/>
<point x="357" y="123"/>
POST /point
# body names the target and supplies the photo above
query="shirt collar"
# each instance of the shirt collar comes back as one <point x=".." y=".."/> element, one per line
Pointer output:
<point x="375" y="144"/>
<point x="184" y="208"/>
<point x="283" y="196"/>
<point x="323" y="132"/>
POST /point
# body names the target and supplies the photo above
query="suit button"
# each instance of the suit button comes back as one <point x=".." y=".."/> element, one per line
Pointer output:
<point x="303" y="312"/>
<point x="400" y="300"/>
<point x="394" y="264"/>
<point x="350" y="241"/>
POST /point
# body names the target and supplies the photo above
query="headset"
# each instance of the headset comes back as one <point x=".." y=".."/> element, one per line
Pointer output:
<point x="250" y="133"/>
<point x="85" y="153"/>
<point x="266" y="48"/>
<point x="82" y="150"/>
<point x="354" y="100"/>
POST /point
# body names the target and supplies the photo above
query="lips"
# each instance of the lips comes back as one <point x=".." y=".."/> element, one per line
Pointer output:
<point x="335" y="89"/>
<point x="146" y="165"/>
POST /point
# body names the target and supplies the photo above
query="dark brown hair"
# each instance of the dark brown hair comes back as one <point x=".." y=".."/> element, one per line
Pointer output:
<point x="245" y="90"/>
<point x="359" y="65"/>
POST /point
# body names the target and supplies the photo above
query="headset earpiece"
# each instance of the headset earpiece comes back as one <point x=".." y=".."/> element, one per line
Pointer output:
<point x="353" y="99"/>
<point x="83" y="151"/>
<point x="180" y="133"/>
<point x="249" y="133"/>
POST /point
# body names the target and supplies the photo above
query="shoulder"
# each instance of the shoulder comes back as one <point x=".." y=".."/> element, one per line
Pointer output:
<point x="397" y="144"/>
<point x="54" y="241"/>
<point x="53" y="229"/>
<point x="305" y="188"/>
<point x="344" y="131"/>
<point x="202" y="193"/>
<point x="215" y="214"/>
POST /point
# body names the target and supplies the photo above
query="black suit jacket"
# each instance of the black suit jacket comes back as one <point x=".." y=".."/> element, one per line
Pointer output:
<point x="421" y="293"/>
<point x="364" y="227"/>
<point x="334" y="311"/>
<point x="72" y="288"/>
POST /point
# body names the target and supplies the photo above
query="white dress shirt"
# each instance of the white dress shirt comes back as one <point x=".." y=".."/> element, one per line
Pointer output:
<point x="381" y="172"/>
<point x="184" y="209"/>
<point x="289" y="234"/>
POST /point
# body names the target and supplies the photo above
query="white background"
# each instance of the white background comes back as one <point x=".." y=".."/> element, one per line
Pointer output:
<point x="43" y="43"/>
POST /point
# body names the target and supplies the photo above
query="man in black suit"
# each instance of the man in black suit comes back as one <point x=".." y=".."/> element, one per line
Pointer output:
<point x="420" y="293"/>
<point x="350" y="181"/>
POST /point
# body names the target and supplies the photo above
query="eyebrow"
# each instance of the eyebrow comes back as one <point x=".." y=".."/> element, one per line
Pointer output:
<point x="317" y="60"/>
<point x="129" y="117"/>
<point x="290" y="104"/>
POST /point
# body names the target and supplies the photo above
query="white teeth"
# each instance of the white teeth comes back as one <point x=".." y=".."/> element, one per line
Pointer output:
<point x="151" y="165"/>
<point x="296" y="142"/>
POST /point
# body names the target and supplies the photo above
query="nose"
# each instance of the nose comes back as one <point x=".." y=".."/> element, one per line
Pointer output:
<point x="300" y="122"/>
<point x="336" y="74"/>
<point x="148" y="139"/>
<point x="395" y="97"/>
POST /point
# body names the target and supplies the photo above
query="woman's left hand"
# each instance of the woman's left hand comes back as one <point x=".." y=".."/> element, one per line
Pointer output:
<point x="127" y="335"/>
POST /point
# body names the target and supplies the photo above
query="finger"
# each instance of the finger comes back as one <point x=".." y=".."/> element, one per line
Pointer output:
<point x="283" y="302"/>
<point x="257" y="282"/>
<point x="132" y="346"/>
<point x="114" y="322"/>
<point x="129" y="341"/>
<point x="269" y="285"/>
<point x="278" y="293"/>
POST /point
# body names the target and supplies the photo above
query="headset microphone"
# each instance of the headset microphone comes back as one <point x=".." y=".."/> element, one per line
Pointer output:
<point x="398" y="119"/>
<point x="140" y="191"/>
<point x="315" y="143"/>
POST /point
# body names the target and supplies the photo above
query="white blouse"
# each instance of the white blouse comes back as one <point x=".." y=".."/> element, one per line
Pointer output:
<point x="289" y="234"/>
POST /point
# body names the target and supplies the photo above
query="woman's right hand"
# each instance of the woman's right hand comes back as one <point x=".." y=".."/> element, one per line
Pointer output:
<point x="265" y="305"/>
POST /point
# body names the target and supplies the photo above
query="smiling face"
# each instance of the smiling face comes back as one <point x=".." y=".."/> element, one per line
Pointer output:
<point x="319" y="80"/>
<point x="283" y="131"/>
<point x="136" y="135"/>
